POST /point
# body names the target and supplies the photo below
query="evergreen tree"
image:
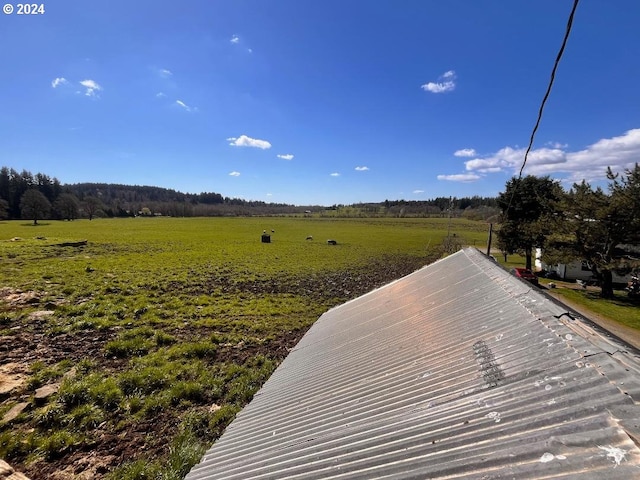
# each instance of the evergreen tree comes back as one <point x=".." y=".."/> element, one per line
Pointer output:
<point x="527" y="205"/>
<point x="598" y="228"/>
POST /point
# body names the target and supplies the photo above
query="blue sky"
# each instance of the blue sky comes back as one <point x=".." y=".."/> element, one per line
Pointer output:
<point x="319" y="102"/>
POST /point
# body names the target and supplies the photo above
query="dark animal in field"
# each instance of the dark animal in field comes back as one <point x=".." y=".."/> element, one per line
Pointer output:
<point x="332" y="242"/>
<point x="310" y="237"/>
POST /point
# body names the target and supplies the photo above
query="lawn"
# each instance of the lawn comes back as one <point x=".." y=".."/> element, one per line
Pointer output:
<point x="620" y="309"/>
<point x="130" y="354"/>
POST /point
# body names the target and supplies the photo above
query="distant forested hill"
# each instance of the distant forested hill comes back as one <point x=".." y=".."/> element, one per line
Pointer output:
<point x="88" y="200"/>
<point x="69" y="201"/>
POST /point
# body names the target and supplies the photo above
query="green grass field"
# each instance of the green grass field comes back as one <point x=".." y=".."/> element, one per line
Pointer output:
<point x="188" y="241"/>
<point x="158" y="330"/>
<point x="620" y="309"/>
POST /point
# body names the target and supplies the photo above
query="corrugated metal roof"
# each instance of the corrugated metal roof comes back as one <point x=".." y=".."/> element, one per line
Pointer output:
<point x="458" y="370"/>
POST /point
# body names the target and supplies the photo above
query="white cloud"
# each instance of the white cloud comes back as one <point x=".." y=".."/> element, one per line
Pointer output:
<point x="235" y="174"/>
<point x="92" y="88"/>
<point x="446" y="83"/>
<point x="418" y="191"/>
<point x="269" y="194"/>
<point x="508" y="158"/>
<point x="460" y="177"/>
<point x="236" y="40"/>
<point x="438" y="87"/>
<point x="434" y="87"/>
<point x="465" y="152"/>
<point x="56" y="82"/>
<point x="362" y="169"/>
<point x="556" y="145"/>
<point x="244" y="141"/>
<point x="335" y="174"/>
<point x="160" y="95"/>
<point x="183" y="105"/>
<point x="288" y="156"/>
<point x="165" y="73"/>
<point x="588" y="164"/>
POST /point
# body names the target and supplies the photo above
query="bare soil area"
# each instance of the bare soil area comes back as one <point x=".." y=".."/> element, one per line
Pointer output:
<point x="32" y="341"/>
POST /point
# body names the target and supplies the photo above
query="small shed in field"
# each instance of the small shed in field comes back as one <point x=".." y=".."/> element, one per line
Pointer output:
<point x="458" y="370"/>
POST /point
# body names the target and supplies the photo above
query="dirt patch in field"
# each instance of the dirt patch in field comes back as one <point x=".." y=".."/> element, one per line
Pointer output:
<point x="32" y="341"/>
<point x="12" y="376"/>
<point x="148" y="438"/>
<point x="32" y="338"/>
<point x="340" y="286"/>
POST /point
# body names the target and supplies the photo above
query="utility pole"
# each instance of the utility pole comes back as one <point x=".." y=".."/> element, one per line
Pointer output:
<point x="450" y="208"/>
<point x="489" y="242"/>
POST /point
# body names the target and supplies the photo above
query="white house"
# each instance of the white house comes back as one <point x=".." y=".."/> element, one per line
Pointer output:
<point x="576" y="270"/>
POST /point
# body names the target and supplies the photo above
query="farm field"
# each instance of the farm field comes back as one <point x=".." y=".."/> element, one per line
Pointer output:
<point x="126" y="357"/>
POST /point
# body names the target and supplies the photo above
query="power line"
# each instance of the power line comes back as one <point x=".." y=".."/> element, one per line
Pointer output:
<point x="553" y="76"/>
<point x="546" y="96"/>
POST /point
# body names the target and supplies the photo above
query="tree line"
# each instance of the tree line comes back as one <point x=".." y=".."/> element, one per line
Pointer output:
<point x="24" y="195"/>
<point x="48" y="198"/>
<point x="601" y="227"/>
<point x="36" y="197"/>
<point x="475" y="208"/>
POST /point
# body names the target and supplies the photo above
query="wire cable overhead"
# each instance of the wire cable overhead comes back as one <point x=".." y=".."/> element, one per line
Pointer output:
<point x="544" y="101"/>
<point x="553" y="76"/>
